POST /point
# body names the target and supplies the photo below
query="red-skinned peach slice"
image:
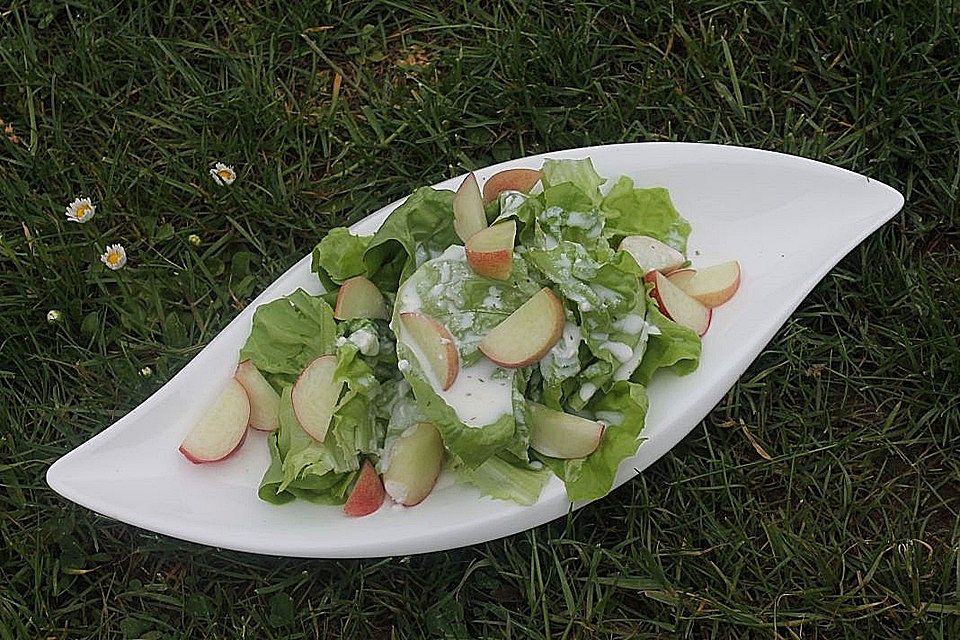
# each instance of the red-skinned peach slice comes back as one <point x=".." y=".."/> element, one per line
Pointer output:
<point x="490" y="251"/>
<point x="314" y="396"/>
<point x="433" y="345"/>
<point x="468" y="214"/>
<point x="222" y="427"/>
<point x="413" y="463"/>
<point x="360" y="298"/>
<point x="651" y="254"/>
<point x="264" y="400"/>
<point x="510" y="180"/>
<point x="527" y="334"/>
<point x="562" y="435"/>
<point x="680" y="277"/>
<point x="677" y="305"/>
<point x="712" y="286"/>
<point x="367" y="494"/>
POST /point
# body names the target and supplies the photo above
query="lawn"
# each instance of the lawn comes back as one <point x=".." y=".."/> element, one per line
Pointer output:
<point x="819" y="499"/>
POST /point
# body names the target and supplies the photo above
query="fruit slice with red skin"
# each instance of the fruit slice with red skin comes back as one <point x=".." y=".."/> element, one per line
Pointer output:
<point x="413" y="463"/>
<point x="712" y="286"/>
<point x="562" y="435"/>
<point x="490" y="251"/>
<point x="433" y="345"/>
<point x="222" y="427"/>
<point x="468" y="214"/>
<point x="677" y="305"/>
<point x="680" y="277"/>
<point x="360" y="298"/>
<point x="367" y="494"/>
<point x="264" y="400"/>
<point x="510" y="180"/>
<point x="314" y="396"/>
<point x="651" y="254"/>
<point x="527" y="334"/>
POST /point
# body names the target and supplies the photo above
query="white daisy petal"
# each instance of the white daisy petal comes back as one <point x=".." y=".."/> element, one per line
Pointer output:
<point x="114" y="257"/>
<point x="223" y="174"/>
<point x="80" y="210"/>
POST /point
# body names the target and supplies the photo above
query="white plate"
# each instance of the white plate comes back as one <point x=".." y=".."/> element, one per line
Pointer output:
<point x="787" y="220"/>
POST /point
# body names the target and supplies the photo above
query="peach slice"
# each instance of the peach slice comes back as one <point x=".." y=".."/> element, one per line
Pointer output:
<point x="367" y="494"/>
<point x="490" y="250"/>
<point x="677" y="305"/>
<point x="314" y="396"/>
<point x="264" y="400"/>
<point x="510" y="180"/>
<point x="360" y="298"/>
<point x="468" y="214"/>
<point x="528" y="333"/>
<point x="434" y="347"/>
<point x="562" y="435"/>
<point x="712" y="286"/>
<point x="651" y="254"/>
<point x="680" y="277"/>
<point x="413" y="463"/>
<point x="222" y="427"/>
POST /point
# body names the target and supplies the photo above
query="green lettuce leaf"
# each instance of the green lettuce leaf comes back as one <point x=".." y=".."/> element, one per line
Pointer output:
<point x="319" y="472"/>
<point x="623" y="408"/>
<point x="648" y="212"/>
<point x="287" y="334"/>
<point x="471" y="444"/>
<point x="580" y="173"/>
<point x="419" y="229"/>
<point x="339" y="256"/>
<point x="506" y="478"/>
<point x="674" y="347"/>
<point x="467" y="304"/>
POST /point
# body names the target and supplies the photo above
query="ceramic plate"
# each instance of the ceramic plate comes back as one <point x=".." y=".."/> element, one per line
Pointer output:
<point x="787" y="220"/>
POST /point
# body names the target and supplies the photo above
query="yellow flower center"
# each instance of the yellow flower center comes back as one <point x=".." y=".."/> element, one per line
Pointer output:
<point x="225" y="174"/>
<point x="82" y="210"/>
<point x="113" y="258"/>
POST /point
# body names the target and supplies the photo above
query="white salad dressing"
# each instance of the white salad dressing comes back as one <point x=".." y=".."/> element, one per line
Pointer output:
<point x="481" y="393"/>
<point x="583" y="220"/>
<point x="510" y="201"/>
<point x="587" y="391"/>
<point x="609" y="418"/>
<point x="620" y="351"/>
<point x="366" y="341"/>
<point x="631" y="324"/>
<point x="647" y="329"/>
<point x="562" y="360"/>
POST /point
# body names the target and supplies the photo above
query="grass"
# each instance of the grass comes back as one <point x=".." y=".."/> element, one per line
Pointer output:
<point x="819" y="499"/>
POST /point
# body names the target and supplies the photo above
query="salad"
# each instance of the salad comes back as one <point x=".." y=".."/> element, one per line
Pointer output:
<point x="503" y="335"/>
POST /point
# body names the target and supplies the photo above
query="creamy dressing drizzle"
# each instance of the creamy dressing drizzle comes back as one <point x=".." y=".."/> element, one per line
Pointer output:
<point x="620" y="351"/>
<point x="483" y="392"/>
<point x="587" y="391"/>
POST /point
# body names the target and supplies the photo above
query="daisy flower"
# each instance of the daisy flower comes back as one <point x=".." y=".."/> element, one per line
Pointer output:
<point x="80" y="210"/>
<point x="114" y="257"/>
<point x="223" y="174"/>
